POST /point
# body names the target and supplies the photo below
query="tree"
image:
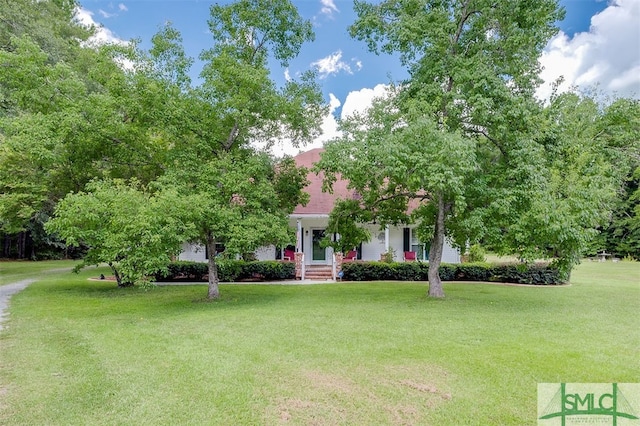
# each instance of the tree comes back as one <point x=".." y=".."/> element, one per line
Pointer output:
<point x="243" y="103"/>
<point x="135" y="233"/>
<point x="344" y="220"/>
<point x="64" y="123"/>
<point x="458" y="135"/>
<point x="578" y="187"/>
<point x="48" y="23"/>
<point x="618" y="133"/>
<point x="240" y="199"/>
<point x="238" y="196"/>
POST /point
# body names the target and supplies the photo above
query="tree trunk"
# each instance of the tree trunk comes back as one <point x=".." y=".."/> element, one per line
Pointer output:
<point x="214" y="290"/>
<point x="21" y="245"/>
<point x="435" y="252"/>
<point x="116" y="274"/>
<point x="118" y="277"/>
<point x="7" y="246"/>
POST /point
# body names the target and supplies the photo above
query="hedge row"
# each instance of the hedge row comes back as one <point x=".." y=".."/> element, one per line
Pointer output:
<point x="228" y="271"/>
<point x="540" y="274"/>
<point x="238" y="270"/>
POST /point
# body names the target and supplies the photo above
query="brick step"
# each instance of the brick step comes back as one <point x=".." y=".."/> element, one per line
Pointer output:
<point x="318" y="272"/>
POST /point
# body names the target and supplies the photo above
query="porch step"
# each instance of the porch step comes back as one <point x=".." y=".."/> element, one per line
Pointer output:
<point x="317" y="272"/>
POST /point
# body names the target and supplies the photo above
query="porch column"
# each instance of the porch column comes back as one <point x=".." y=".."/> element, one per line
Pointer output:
<point x="299" y="259"/>
<point x="386" y="239"/>
<point x="298" y="236"/>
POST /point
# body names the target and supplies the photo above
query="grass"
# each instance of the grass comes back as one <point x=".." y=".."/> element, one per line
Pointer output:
<point x="81" y="352"/>
<point x="18" y="270"/>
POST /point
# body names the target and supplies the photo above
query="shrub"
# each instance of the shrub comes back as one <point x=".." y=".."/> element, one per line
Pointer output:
<point x="477" y="254"/>
<point x="268" y="270"/>
<point x="541" y="274"/>
<point x="522" y="273"/>
<point x="473" y="272"/>
<point x="183" y="271"/>
<point x="234" y="270"/>
<point x="228" y="271"/>
<point x="388" y="256"/>
<point x="447" y="272"/>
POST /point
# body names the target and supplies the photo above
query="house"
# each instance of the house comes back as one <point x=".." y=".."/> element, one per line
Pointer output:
<point x="310" y="222"/>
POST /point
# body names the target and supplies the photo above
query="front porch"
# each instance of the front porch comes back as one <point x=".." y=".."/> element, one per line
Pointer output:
<point x="399" y="243"/>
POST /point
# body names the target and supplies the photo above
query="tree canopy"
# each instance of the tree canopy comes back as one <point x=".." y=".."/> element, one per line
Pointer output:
<point x="454" y="146"/>
<point x="116" y="131"/>
<point x="134" y="159"/>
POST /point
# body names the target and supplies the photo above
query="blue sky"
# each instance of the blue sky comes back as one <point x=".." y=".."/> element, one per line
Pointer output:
<point x="598" y="43"/>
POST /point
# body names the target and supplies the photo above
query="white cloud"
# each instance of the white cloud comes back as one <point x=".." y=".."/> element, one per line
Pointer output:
<point x="122" y="7"/>
<point x="329" y="123"/>
<point x="329" y="128"/>
<point x="287" y="76"/>
<point x="358" y="101"/>
<point x="333" y="64"/>
<point x="608" y="55"/>
<point x="328" y="7"/>
<point x="102" y="35"/>
<point x="106" y="15"/>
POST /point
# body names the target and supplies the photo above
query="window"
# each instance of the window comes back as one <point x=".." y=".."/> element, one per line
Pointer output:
<point x="411" y="242"/>
<point x="417" y="246"/>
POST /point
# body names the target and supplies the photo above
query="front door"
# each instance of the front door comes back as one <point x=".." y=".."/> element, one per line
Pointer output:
<point x="319" y="254"/>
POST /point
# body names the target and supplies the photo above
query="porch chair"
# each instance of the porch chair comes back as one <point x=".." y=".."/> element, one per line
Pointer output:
<point x="350" y="256"/>
<point x="409" y="256"/>
<point x="289" y="255"/>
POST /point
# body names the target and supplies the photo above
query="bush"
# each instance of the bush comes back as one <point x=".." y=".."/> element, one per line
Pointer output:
<point x="234" y="270"/>
<point x="268" y="270"/>
<point x="473" y="272"/>
<point x="522" y="273"/>
<point x="447" y="272"/>
<point x="228" y="271"/>
<point x="183" y="271"/>
<point x="476" y="254"/>
<point x="541" y="274"/>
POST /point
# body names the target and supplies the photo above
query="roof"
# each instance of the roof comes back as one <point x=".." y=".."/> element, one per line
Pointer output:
<point x="320" y="203"/>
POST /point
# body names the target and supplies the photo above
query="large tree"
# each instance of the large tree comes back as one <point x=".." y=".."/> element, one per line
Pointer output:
<point x="457" y="138"/>
<point x="66" y="122"/>
<point x="90" y="112"/>
<point x="240" y="197"/>
<point x="122" y="113"/>
<point x="578" y="184"/>
<point x="618" y="133"/>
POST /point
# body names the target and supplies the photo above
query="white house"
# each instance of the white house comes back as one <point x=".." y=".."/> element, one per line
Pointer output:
<point x="310" y="222"/>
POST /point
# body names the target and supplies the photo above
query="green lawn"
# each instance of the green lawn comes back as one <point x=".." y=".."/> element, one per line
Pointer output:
<point x="16" y="271"/>
<point x="81" y="352"/>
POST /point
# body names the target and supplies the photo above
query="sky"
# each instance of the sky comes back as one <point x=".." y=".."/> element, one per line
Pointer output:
<point x="598" y="45"/>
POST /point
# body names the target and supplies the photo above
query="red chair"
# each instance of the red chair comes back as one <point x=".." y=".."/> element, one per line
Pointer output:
<point x="350" y="256"/>
<point x="289" y="255"/>
<point x="409" y="256"/>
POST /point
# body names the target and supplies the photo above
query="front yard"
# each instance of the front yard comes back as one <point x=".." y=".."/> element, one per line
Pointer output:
<point x="84" y="352"/>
